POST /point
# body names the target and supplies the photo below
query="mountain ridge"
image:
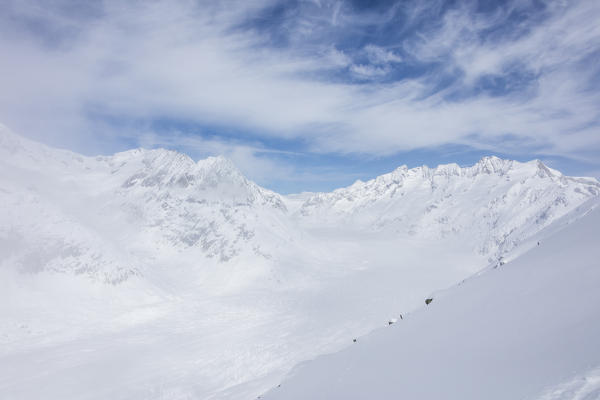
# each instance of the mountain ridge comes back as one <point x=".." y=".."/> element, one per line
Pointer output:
<point x="170" y="201"/>
<point x="494" y="198"/>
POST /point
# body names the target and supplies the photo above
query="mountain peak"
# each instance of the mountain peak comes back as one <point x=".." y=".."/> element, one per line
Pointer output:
<point x="493" y="165"/>
<point x="221" y="169"/>
<point x="218" y="163"/>
<point x="544" y="171"/>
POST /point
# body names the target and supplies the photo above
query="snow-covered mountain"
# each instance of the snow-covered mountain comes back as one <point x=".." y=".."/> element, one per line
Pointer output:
<point x="495" y="203"/>
<point x="105" y="216"/>
<point x="194" y="282"/>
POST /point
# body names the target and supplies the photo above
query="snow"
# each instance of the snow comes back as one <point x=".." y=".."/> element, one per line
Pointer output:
<point x="148" y="275"/>
<point x="527" y="329"/>
<point x="583" y="387"/>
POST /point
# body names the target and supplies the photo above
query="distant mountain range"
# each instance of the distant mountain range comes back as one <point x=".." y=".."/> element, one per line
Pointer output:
<point x="104" y="216"/>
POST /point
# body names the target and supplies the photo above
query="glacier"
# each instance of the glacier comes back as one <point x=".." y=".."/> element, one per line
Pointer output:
<point x="146" y="274"/>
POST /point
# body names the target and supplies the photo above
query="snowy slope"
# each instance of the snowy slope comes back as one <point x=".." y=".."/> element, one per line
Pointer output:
<point x="165" y="278"/>
<point x="529" y="329"/>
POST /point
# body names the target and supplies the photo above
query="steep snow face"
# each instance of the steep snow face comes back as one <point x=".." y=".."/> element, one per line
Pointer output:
<point x="493" y="205"/>
<point x="528" y="329"/>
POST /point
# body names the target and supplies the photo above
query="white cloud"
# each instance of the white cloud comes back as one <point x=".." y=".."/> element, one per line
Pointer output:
<point x="178" y="60"/>
<point x="379" y="55"/>
<point x="368" y="71"/>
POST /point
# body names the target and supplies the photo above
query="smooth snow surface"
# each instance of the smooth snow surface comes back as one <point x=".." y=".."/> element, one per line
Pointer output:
<point x="148" y="275"/>
<point x="529" y="329"/>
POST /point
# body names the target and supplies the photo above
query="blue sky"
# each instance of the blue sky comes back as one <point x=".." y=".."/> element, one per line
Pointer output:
<point x="308" y="95"/>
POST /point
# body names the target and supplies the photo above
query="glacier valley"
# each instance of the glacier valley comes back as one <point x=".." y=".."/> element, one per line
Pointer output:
<point x="147" y="275"/>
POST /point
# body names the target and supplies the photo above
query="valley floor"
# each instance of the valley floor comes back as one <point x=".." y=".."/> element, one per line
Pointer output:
<point x="65" y="337"/>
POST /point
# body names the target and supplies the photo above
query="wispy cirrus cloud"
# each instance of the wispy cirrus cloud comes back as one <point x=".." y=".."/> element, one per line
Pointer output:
<point x="312" y="77"/>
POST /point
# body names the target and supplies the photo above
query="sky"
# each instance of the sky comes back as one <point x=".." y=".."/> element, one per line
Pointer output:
<point x="308" y="95"/>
